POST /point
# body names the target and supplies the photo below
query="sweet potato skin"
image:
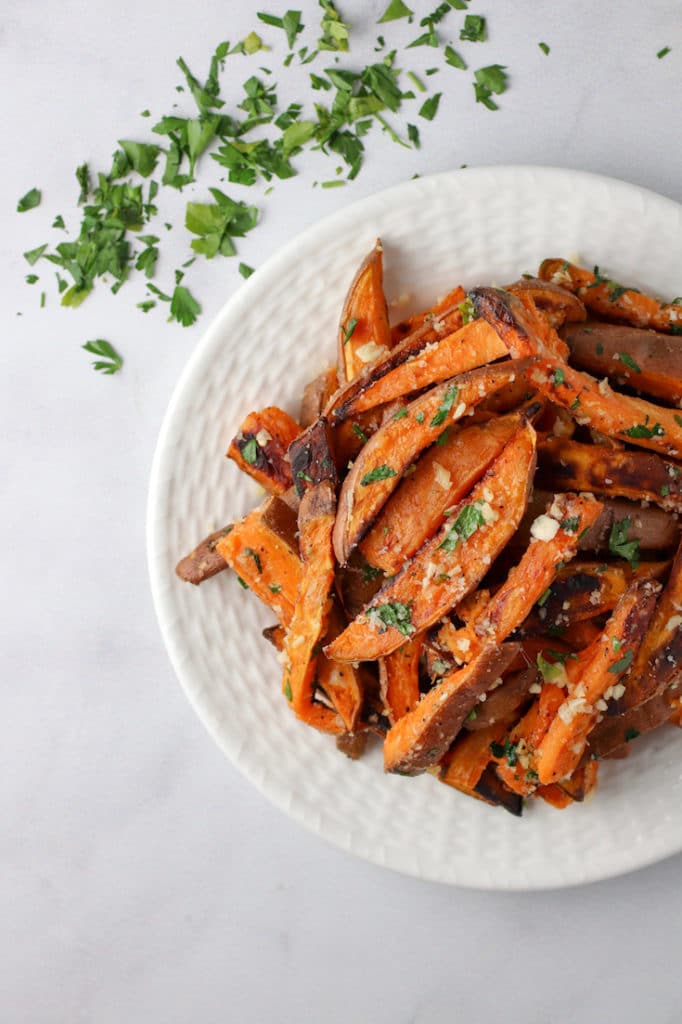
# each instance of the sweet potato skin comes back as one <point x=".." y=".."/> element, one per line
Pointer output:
<point x="204" y="561"/>
<point x="504" y="701"/>
<point x="645" y="360"/>
<point x="442" y="476"/>
<point x="607" y="298"/>
<point x="450" y="574"/>
<point x="420" y="739"/>
<point x="260" y="447"/>
<point x="364" y="319"/>
<point x="557" y="305"/>
<point x="613" y="732"/>
<point x="380" y="465"/>
<point x="640" y="476"/>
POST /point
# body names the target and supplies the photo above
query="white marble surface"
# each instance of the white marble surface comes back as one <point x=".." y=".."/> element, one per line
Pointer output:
<point x="141" y="878"/>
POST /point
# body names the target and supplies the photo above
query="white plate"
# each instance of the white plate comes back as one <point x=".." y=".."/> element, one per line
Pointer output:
<point x="475" y="227"/>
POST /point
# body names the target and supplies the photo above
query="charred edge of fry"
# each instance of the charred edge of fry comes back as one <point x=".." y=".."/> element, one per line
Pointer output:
<point x="311" y="457"/>
<point x="491" y="789"/>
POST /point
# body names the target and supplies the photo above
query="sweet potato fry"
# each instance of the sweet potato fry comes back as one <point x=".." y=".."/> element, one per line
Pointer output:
<point x="399" y="678"/>
<point x="609" y="299"/>
<point x="554" y="541"/>
<point x="410" y="324"/>
<point x="658" y="658"/>
<point x="647" y="361"/>
<point x="554" y="795"/>
<point x="652" y="528"/>
<point x="364" y="333"/>
<point x="442" y="476"/>
<point x="450" y="565"/>
<point x="516" y="757"/>
<point x="316" y="395"/>
<point x="429" y="334"/>
<point x="625" y="474"/>
<point x="386" y="456"/>
<point x="313" y="599"/>
<point x="420" y="739"/>
<point x="598" y="672"/>
<point x="591" y="403"/>
<point x="260" y="447"/>
<point x="204" y="561"/>
<point x="613" y="732"/>
<point x="470" y="346"/>
<point x="585" y="589"/>
<point x="504" y="701"/>
<point x="583" y="780"/>
<point x="263" y="557"/>
<point x="311" y="458"/>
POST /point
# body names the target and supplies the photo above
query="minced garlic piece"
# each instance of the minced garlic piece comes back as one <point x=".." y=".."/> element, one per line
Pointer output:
<point x="544" y="528"/>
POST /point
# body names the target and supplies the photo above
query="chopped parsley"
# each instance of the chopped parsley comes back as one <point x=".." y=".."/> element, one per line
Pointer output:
<point x="467" y="522"/>
<point x="287" y="691"/>
<point x="429" y="108"/>
<point x="488" y="81"/>
<point x="382" y="472"/>
<point x="663" y="53"/>
<point x="394" y="615"/>
<point x="289" y="22"/>
<point x="420" y="418"/>
<point x="599" y="349"/>
<point x="454" y="60"/>
<point x="348" y="329"/>
<point x="370" y="572"/>
<point x="475" y="29"/>
<point x="249" y="451"/>
<point x="468" y="311"/>
<point x="396" y="9"/>
<point x="558" y="377"/>
<point x="545" y="48"/>
<point x="622" y="664"/>
<point x="359" y="432"/>
<point x="629" y="362"/>
<point x="109" y="361"/>
<point x="245" y="270"/>
<point x="643" y="430"/>
<point x="250" y="553"/>
<point x="400" y="413"/>
<point x="619" y="544"/>
<point x="544" y="597"/>
<point x="549" y="671"/>
<point x="446" y="405"/>
<point x="631" y="734"/>
<point x="29" y="201"/>
<point x="571" y="524"/>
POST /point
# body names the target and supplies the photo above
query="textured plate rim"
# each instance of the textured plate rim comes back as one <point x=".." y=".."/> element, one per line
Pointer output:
<point x="628" y="860"/>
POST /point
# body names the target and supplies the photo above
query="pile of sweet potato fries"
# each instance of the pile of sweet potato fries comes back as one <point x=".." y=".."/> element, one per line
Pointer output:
<point x="470" y="540"/>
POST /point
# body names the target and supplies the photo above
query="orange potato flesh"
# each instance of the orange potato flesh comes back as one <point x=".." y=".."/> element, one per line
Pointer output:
<point x="364" y="328"/>
<point x="260" y="446"/>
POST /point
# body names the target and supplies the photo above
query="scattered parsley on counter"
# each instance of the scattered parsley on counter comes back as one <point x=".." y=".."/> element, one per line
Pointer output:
<point x="29" y="201"/>
<point x="109" y="361"/>
<point x="663" y="53"/>
<point x="545" y="48"/>
<point x="114" y="239"/>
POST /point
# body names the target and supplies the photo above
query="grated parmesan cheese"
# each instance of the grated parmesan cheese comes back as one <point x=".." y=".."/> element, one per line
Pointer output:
<point x="544" y="528"/>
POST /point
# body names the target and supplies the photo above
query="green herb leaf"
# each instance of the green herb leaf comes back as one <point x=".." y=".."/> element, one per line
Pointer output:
<point x="544" y="597"/>
<point x="644" y="430"/>
<point x="334" y="30"/>
<point x="218" y="223"/>
<point x="370" y="572"/>
<point x="622" y="664"/>
<point x="663" y="53"/>
<point x="446" y="405"/>
<point x="29" y="201"/>
<point x="558" y="377"/>
<point x="396" y="9"/>
<point x="629" y="361"/>
<point x="429" y="108"/>
<point x="359" y="432"/>
<point x="475" y="30"/>
<point x="489" y="80"/>
<point x="631" y="734"/>
<point x="141" y="156"/>
<point x="468" y="521"/>
<point x="110" y="361"/>
<point x="544" y="47"/>
<point x="348" y="329"/>
<point x="275" y="587"/>
<point x="287" y="691"/>
<point x="548" y="670"/>
<point x="413" y="135"/>
<point x="619" y="544"/>
<point x="249" y="451"/>
<point x="571" y="524"/>
<point x="245" y="270"/>
<point x="378" y="473"/>
<point x="33" y="255"/>
<point x="394" y="615"/>
<point x="184" y="307"/>
<point x="250" y="553"/>
<point x="454" y="60"/>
